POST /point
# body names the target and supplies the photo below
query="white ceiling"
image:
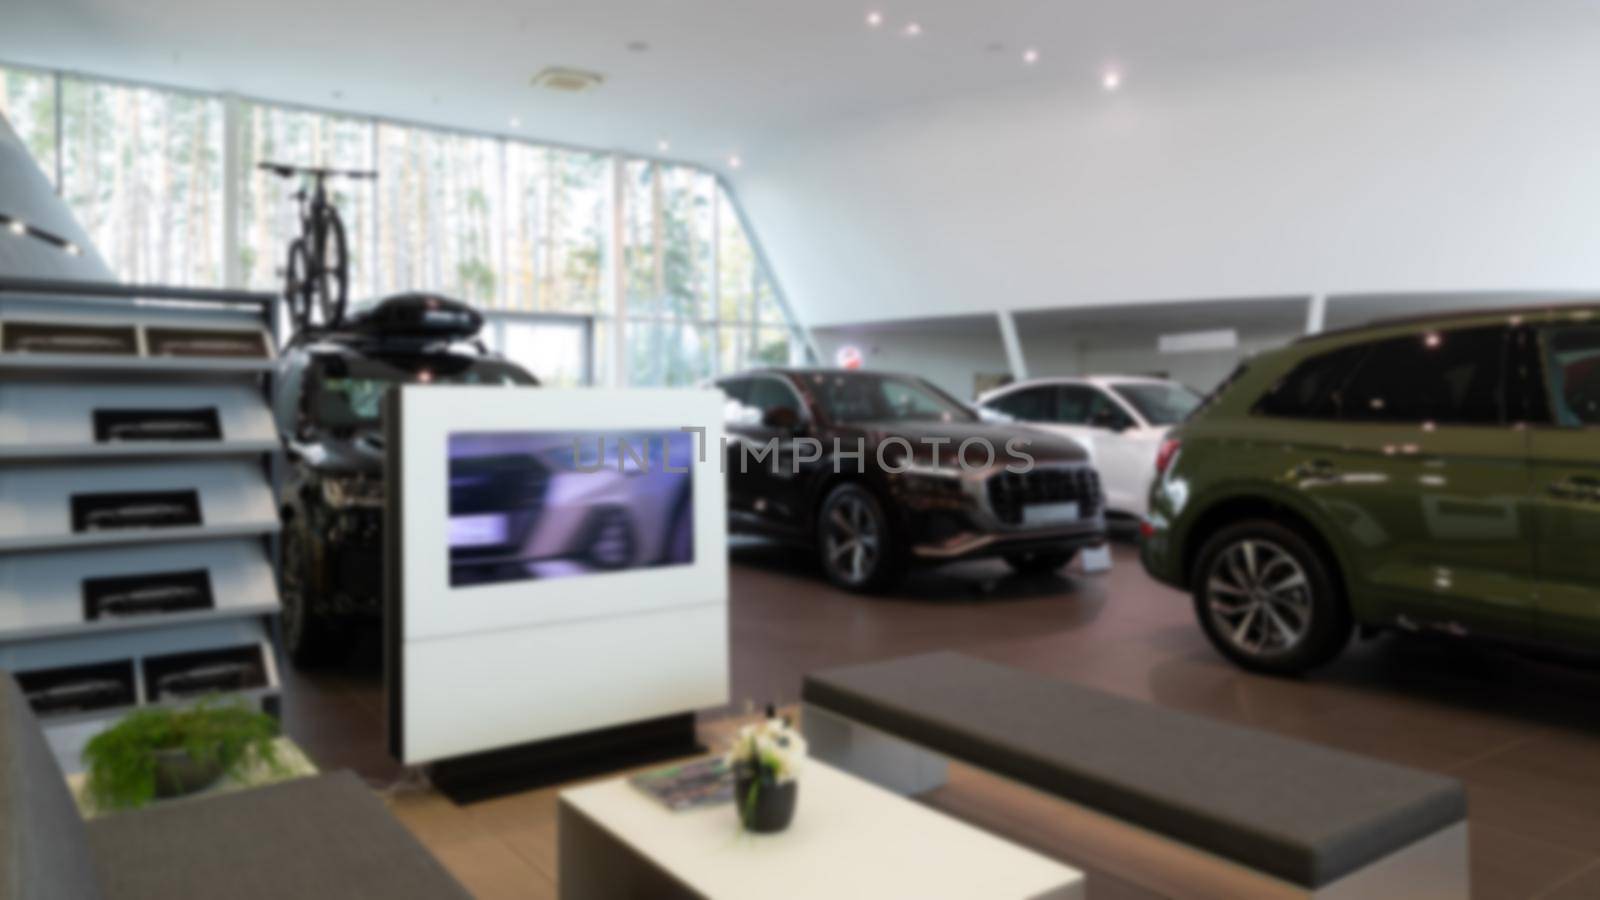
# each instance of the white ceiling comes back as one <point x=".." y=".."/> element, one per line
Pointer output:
<point x="720" y="76"/>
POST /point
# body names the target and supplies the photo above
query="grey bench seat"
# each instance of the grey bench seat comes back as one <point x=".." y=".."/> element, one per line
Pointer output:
<point x="1302" y="813"/>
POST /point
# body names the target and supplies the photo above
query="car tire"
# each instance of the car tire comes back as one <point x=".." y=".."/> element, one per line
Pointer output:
<point x="1040" y="562"/>
<point x="856" y="544"/>
<point x="1267" y="600"/>
<point x="310" y="637"/>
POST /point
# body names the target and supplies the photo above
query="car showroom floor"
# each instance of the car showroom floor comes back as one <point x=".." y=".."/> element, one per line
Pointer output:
<point x="1523" y="735"/>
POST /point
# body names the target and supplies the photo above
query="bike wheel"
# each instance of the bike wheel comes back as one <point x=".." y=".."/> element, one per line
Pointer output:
<point x="297" y="285"/>
<point x="333" y="270"/>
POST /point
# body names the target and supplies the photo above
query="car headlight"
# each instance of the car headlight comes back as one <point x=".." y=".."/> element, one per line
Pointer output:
<point x="940" y="481"/>
<point x="349" y="493"/>
<point x="948" y="472"/>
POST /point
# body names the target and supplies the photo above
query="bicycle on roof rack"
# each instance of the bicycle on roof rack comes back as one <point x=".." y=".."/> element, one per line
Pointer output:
<point x="316" y="276"/>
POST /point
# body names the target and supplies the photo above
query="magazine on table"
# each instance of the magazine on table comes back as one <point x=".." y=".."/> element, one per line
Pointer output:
<point x="696" y="785"/>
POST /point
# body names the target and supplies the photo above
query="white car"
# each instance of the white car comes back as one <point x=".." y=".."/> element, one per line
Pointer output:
<point x="1121" y="419"/>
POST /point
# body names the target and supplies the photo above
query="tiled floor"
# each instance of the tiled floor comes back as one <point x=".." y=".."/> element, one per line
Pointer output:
<point x="1523" y="735"/>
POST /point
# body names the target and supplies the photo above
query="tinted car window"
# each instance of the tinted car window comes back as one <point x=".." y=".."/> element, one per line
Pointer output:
<point x="1106" y="413"/>
<point x="735" y="389"/>
<point x="768" y="394"/>
<point x="1160" y="404"/>
<point x="1572" y="373"/>
<point x="1454" y="377"/>
<point x="347" y="392"/>
<point x="1077" y="404"/>
<point x="1311" y="389"/>
<point x="868" y="396"/>
<point x="737" y="410"/>
<point x="1029" y="405"/>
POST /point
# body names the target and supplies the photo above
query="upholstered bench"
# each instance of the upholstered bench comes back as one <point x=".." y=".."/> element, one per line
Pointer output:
<point x="1280" y="816"/>
<point x="327" y="836"/>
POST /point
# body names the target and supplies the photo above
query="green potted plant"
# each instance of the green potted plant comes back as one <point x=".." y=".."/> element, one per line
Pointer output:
<point x="170" y="752"/>
<point x="766" y="759"/>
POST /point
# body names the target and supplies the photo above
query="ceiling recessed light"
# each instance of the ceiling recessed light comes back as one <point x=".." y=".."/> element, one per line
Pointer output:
<point x="735" y="162"/>
<point x="72" y="249"/>
<point x="663" y="145"/>
<point x="874" y="19"/>
<point x="568" y="81"/>
<point x="913" y="29"/>
<point x="1111" y="80"/>
<point x="17" y="226"/>
<point x="1030" y="56"/>
<point x="516" y="122"/>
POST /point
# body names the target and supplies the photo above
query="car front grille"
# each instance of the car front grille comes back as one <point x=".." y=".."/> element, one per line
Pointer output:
<point x="1010" y="492"/>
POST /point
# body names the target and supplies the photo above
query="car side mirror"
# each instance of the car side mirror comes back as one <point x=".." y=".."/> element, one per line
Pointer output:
<point x="1108" y="419"/>
<point x="781" y="418"/>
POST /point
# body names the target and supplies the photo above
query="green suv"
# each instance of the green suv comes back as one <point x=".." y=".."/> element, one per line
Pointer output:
<point x="1438" y="474"/>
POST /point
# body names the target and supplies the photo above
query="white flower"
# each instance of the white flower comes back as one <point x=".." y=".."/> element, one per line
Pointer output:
<point x="772" y="746"/>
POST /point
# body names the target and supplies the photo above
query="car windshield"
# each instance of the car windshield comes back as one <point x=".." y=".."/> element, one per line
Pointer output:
<point x="347" y="393"/>
<point x="1159" y="403"/>
<point x="867" y="397"/>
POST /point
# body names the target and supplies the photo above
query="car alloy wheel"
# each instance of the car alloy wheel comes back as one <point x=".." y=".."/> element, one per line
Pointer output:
<point x="1259" y="598"/>
<point x="852" y="539"/>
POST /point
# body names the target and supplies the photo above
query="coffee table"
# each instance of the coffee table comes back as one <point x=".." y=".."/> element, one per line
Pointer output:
<point x="850" y="838"/>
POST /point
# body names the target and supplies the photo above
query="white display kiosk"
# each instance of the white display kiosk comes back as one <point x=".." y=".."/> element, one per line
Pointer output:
<point x="550" y="609"/>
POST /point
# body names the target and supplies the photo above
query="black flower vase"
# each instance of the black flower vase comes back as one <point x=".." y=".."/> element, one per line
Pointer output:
<point x="765" y="806"/>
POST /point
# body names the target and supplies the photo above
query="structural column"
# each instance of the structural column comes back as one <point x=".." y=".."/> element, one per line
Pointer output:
<point x="1316" y="313"/>
<point x="1013" y="345"/>
<point x="232" y="171"/>
<point x="616" y="276"/>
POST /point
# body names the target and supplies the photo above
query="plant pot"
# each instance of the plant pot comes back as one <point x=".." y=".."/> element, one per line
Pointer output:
<point x="178" y="774"/>
<point x="772" y="808"/>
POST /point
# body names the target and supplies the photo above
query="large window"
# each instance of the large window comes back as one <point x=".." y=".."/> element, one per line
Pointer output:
<point x="504" y="224"/>
<point x="268" y="215"/>
<point x="142" y="169"/>
<point x="557" y="221"/>
<point x="442" y="194"/>
<point x="698" y="303"/>
<point x="28" y="101"/>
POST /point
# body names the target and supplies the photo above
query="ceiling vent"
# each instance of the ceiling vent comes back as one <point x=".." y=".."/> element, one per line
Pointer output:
<point x="568" y="81"/>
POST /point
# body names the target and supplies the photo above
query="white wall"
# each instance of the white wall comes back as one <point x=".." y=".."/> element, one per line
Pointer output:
<point x="951" y="361"/>
<point x="1459" y="164"/>
<point x="1049" y="355"/>
<point x="25" y="193"/>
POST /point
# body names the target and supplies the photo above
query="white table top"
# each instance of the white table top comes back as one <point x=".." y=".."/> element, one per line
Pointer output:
<point x="849" y="838"/>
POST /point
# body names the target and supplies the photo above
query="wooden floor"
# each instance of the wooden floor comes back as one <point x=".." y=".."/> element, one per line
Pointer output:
<point x="1523" y="735"/>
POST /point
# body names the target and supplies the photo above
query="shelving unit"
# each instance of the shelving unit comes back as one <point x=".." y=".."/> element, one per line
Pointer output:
<point x="137" y="508"/>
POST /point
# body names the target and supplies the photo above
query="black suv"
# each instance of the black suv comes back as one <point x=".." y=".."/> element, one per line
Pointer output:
<point x="878" y="471"/>
<point x="328" y="395"/>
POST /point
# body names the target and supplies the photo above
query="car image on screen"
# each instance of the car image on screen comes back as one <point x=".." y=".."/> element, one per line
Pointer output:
<point x="532" y="505"/>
